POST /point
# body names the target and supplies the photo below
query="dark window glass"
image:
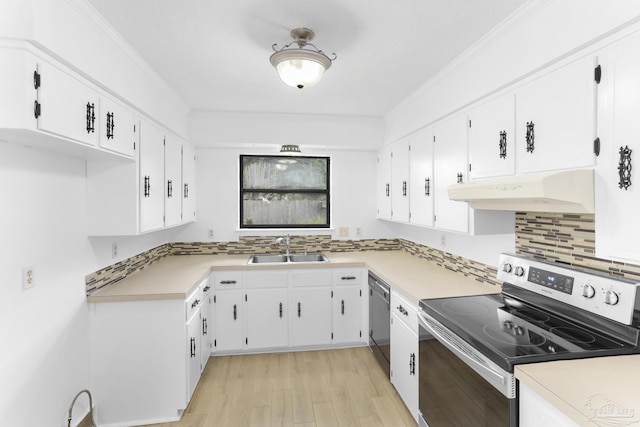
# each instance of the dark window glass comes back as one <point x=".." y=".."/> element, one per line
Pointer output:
<point x="284" y="192"/>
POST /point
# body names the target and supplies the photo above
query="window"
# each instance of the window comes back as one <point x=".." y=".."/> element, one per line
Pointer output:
<point x="284" y="192"/>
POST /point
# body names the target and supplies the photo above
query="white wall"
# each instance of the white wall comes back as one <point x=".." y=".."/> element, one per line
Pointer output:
<point x="222" y="137"/>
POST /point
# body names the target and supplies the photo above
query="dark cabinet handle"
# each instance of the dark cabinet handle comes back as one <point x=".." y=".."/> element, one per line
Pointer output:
<point x="280" y="310"/>
<point x="228" y="282"/>
<point x="193" y="347"/>
<point x="205" y="327"/>
<point x="342" y="307"/>
<point x="530" y="137"/>
<point x="403" y="310"/>
<point x="147" y="186"/>
<point x="206" y="288"/>
<point x="186" y="190"/>
<point x="36" y="79"/>
<point x="386" y="189"/>
<point x="235" y="312"/>
<point x="169" y="188"/>
<point x="502" y="145"/>
<point x="36" y="109"/>
<point x="459" y="178"/>
<point x="299" y="309"/>
<point x="195" y="303"/>
<point x="427" y="187"/>
<point x="110" y="125"/>
<point x="624" y="168"/>
<point x="404" y="188"/>
<point x="412" y="364"/>
<point x="348" y="278"/>
<point x="91" y="117"/>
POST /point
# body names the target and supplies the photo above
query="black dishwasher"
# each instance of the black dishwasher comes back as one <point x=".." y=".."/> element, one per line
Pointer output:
<point x="379" y="321"/>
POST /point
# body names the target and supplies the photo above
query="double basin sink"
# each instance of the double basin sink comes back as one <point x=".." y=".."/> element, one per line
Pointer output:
<point x="287" y="259"/>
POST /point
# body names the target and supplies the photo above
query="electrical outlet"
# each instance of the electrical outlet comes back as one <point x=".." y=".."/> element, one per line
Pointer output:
<point x="443" y="240"/>
<point x="343" y="232"/>
<point x="210" y="233"/>
<point x="358" y="231"/>
<point x="28" y="277"/>
<point x="114" y="249"/>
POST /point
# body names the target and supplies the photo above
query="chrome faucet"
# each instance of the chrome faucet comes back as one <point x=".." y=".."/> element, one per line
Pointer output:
<point x="287" y="240"/>
<point x="88" y="393"/>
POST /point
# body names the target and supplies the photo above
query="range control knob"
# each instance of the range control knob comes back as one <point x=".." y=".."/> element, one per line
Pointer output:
<point x="519" y="271"/>
<point x="588" y="291"/>
<point x="507" y="267"/>
<point x="611" y="298"/>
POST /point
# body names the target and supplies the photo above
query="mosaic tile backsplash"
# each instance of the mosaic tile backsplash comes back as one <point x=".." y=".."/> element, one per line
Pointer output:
<point x="568" y="239"/>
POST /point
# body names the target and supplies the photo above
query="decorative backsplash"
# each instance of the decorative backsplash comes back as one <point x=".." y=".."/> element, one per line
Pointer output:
<point x="564" y="238"/>
<point x="567" y="239"/>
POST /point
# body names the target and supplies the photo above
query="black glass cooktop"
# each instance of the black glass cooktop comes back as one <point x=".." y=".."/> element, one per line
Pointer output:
<point x="511" y="332"/>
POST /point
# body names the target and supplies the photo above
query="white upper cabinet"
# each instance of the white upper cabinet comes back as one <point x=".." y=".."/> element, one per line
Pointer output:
<point x="450" y="167"/>
<point x="118" y="127"/>
<point x="400" y="181"/>
<point x="383" y="183"/>
<point x="617" y="186"/>
<point x="67" y="106"/>
<point x="421" y="186"/>
<point x="151" y="183"/>
<point x="188" y="184"/>
<point x="555" y="119"/>
<point x="172" y="182"/>
<point x="492" y="138"/>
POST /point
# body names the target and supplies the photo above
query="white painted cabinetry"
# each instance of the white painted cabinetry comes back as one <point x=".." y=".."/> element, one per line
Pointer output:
<point x="618" y="199"/>
<point x="534" y="411"/>
<point x="421" y="184"/>
<point x="228" y="311"/>
<point x="555" y="119"/>
<point x="347" y="306"/>
<point x="404" y="351"/>
<point x="400" y="181"/>
<point x="172" y="162"/>
<point x="118" y="127"/>
<point x="151" y="182"/>
<point x="267" y="309"/>
<point x="206" y="326"/>
<point x="310" y="301"/>
<point x="492" y="138"/>
<point x="383" y="193"/>
<point x="152" y="348"/>
<point x="450" y="167"/>
<point x="188" y="184"/>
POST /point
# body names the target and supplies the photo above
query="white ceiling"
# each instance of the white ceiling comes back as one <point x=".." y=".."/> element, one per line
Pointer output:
<point x="215" y="53"/>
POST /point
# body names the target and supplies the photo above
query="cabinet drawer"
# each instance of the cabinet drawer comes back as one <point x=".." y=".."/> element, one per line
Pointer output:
<point x="347" y="276"/>
<point x="227" y="280"/>
<point x="405" y="311"/>
<point x="311" y="277"/>
<point x="266" y="279"/>
<point x="192" y="303"/>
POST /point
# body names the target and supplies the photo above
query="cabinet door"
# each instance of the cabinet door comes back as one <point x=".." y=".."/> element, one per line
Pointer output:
<point x="267" y="318"/>
<point x="206" y="328"/>
<point x="151" y="177"/>
<point x="310" y="318"/>
<point x="118" y="128"/>
<point x="616" y="223"/>
<point x="400" y="181"/>
<point x="555" y="119"/>
<point x="536" y="412"/>
<point x="193" y="354"/>
<point x="383" y="193"/>
<point x="404" y="364"/>
<point x="172" y="182"/>
<point x="68" y="107"/>
<point x="228" y="315"/>
<point x="421" y="178"/>
<point x="347" y="308"/>
<point x="492" y="138"/>
<point x="188" y="184"/>
<point x="450" y="167"/>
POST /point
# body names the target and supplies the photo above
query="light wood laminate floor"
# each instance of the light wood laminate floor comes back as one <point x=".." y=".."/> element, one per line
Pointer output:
<point x="341" y="387"/>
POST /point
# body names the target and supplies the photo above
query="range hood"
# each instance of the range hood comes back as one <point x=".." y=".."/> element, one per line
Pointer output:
<point x="567" y="191"/>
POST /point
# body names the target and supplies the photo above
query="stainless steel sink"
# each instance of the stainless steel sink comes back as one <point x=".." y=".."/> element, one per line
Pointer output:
<point x="317" y="257"/>
<point x="284" y="259"/>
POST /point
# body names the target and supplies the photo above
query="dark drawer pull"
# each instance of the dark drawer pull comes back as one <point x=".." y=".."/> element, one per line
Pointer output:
<point x="228" y="282"/>
<point x="403" y="310"/>
<point x="348" y="278"/>
<point x="195" y="303"/>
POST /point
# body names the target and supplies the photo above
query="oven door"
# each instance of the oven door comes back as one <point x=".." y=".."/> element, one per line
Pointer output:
<point x="458" y="386"/>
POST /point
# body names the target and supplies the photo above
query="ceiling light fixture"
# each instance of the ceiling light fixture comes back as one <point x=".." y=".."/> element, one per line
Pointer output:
<point x="300" y="66"/>
<point x="290" y="149"/>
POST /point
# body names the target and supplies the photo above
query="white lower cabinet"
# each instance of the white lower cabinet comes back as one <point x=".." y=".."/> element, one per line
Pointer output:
<point x="206" y="327"/>
<point x="267" y="318"/>
<point x="404" y="351"/>
<point x="311" y="316"/>
<point x="229" y="314"/>
<point x="534" y="411"/>
<point x="145" y="358"/>
<point x="348" y="306"/>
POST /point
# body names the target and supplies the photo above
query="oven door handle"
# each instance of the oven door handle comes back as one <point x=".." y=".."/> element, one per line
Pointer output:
<point x="463" y="355"/>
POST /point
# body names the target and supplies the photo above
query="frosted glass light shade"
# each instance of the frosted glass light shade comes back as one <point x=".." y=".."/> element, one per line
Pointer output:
<point x="300" y="68"/>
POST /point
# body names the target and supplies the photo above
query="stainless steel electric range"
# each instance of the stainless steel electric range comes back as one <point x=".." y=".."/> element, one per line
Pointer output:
<point x="470" y="345"/>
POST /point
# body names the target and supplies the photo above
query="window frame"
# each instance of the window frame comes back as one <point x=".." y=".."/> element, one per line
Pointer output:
<point x="243" y="191"/>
